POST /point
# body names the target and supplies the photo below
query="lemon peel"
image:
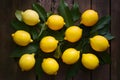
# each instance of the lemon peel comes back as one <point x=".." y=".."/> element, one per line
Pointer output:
<point x="70" y="56"/>
<point x="30" y="17"/>
<point x="50" y="66"/>
<point x="73" y="34"/>
<point x="99" y="43"/>
<point x="89" y="18"/>
<point x="90" y="61"/>
<point x="22" y="38"/>
<point x="55" y="22"/>
<point x="48" y="44"/>
<point x="27" y="61"/>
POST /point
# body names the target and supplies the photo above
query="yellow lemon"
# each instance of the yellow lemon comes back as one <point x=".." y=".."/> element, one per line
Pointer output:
<point x="55" y="22"/>
<point x="89" y="18"/>
<point x="48" y="44"/>
<point x="30" y="17"/>
<point x="22" y="38"/>
<point x="70" y="56"/>
<point x="99" y="43"/>
<point x="27" y="62"/>
<point x="90" y="61"/>
<point x="50" y="66"/>
<point x="73" y="34"/>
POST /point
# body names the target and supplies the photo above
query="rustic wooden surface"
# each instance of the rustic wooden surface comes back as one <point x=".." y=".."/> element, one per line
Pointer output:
<point x="8" y="67"/>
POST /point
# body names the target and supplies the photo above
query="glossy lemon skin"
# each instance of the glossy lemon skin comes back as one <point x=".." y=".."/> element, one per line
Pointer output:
<point x="50" y="66"/>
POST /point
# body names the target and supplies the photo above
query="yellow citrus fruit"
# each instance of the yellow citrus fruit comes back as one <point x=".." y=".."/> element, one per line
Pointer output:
<point x="48" y="44"/>
<point x="27" y="62"/>
<point x="89" y="18"/>
<point x="99" y="43"/>
<point x="22" y="38"/>
<point x="55" y="22"/>
<point x="50" y="66"/>
<point x="30" y="17"/>
<point x="90" y="61"/>
<point x="70" y="56"/>
<point x="73" y="34"/>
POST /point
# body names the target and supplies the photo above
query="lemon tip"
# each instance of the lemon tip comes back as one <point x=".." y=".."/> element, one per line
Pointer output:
<point x="65" y="38"/>
<point x="33" y="54"/>
<point x="31" y="40"/>
<point x="46" y="23"/>
<point x="12" y="34"/>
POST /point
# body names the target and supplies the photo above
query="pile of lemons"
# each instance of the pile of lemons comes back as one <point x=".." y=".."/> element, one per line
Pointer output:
<point x="49" y="43"/>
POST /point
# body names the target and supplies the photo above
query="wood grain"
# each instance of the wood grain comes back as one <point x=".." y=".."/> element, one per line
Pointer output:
<point x="8" y="68"/>
<point x="115" y="44"/>
<point x="103" y="8"/>
<point x="83" y="5"/>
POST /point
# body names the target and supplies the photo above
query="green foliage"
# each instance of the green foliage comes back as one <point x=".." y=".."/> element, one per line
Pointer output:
<point x="41" y="11"/>
<point x="17" y="25"/>
<point x="102" y="28"/>
<point x="32" y="48"/>
<point x="18" y="15"/>
<point x="38" y="68"/>
<point x="71" y="16"/>
<point x="64" y="11"/>
<point x="75" y="12"/>
<point x="58" y="52"/>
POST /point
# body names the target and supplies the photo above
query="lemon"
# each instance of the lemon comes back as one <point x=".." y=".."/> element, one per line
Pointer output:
<point x="22" y="38"/>
<point x="99" y="43"/>
<point x="55" y="22"/>
<point x="89" y="18"/>
<point x="50" y="66"/>
<point x="90" y="61"/>
<point x="70" y="56"/>
<point x="30" y="17"/>
<point x="48" y="44"/>
<point x="27" y="62"/>
<point x="73" y="34"/>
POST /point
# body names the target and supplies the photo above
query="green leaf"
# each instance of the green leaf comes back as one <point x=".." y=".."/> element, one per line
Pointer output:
<point x="33" y="33"/>
<point x="41" y="11"/>
<point x="104" y="57"/>
<point x="104" y="30"/>
<point x="49" y="14"/>
<point x="101" y="24"/>
<point x="75" y="12"/>
<point x="17" y="25"/>
<point x="64" y="11"/>
<point x="43" y="28"/>
<point x="58" y="52"/>
<point x="59" y="35"/>
<point x="18" y="15"/>
<point x="31" y="48"/>
<point x="109" y="36"/>
<point x="73" y="70"/>
<point x="38" y="69"/>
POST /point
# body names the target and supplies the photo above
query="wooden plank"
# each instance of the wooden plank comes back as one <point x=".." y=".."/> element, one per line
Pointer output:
<point x="8" y="67"/>
<point x="61" y="75"/>
<point x="83" y="5"/>
<point x="83" y="75"/>
<point x="63" y="67"/>
<point x="23" y="5"/>
<point x="47" y="4"/>
<point x="115" y="44"/>
<point x="103" y="8"/>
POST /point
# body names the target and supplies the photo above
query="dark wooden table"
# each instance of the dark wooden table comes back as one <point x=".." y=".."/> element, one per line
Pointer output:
<point x="8" y="67"/>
